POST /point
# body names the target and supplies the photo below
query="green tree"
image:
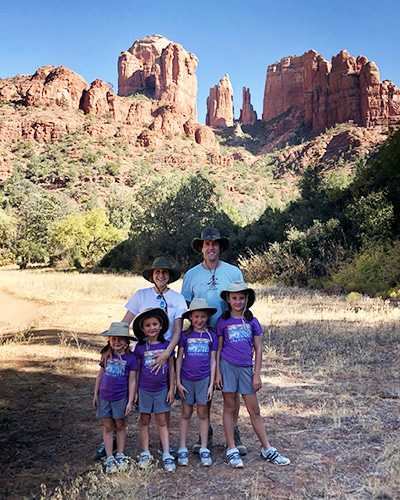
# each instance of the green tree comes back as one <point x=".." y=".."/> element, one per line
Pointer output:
<point x="85" y="237"/>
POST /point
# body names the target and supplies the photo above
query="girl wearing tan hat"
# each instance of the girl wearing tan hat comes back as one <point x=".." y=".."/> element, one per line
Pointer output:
<point x="238" y="333"/>
<point x="195" y="373"/>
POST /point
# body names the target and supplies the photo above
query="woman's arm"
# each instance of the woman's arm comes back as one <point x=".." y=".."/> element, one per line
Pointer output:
<point x="161" y="359"/>
<point x="128" y="318"/>
<point x="257" y="363"/>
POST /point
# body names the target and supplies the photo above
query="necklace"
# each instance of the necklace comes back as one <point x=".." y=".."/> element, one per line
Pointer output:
<point x="212" y="282"/>
<point x="160" y="296"/>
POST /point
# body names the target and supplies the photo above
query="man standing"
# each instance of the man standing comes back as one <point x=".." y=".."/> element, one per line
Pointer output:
<point x="207" y="280"/>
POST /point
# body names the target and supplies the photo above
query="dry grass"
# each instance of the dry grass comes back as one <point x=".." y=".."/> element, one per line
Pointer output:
<point x="330" y="399"/>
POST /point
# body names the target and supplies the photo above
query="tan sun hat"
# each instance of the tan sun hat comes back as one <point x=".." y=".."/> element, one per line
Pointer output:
<point x="118" y="330"/>
<point x="197" y="305"/>
<point x="161" y="263"/>
<point x="240" y="286"/>
<point x="210" y="234"/>
<point x="155" y="312"/>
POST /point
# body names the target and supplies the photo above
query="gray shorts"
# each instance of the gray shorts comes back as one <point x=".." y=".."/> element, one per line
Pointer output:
<point x="197" y="391"/>
<point x="238" y="379"/>
<point x="112" y="409"/>
<point x="153" y="401"/>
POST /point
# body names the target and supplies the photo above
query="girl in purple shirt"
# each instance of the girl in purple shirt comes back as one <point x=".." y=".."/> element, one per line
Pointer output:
<point x="238" y="333"/>
<point x="195" y="373"/>
<point x="155" y="396"/>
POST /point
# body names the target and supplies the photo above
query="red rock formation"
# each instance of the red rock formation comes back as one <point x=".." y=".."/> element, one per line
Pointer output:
<point x="247" y="114"/>
<point x="162" y="69"/>
<point x="56" y="85"/>
<point x="220" y="104"/>
<point x="309" y="90"/>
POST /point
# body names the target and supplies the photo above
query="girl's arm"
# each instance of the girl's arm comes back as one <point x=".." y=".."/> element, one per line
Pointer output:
<point x="213" y="364"/>
<point x="179" y="386"/>
<point x="171" y="375"/>
<point x="161" y="359"/>
<point x="257" y="363"/>
<point x="218" y="378"/>
<point x="96" y="388"/>
<point x="132" y="394"/>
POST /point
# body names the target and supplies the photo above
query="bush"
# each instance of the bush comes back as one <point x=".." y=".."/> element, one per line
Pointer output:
<point x="375" y="270"/>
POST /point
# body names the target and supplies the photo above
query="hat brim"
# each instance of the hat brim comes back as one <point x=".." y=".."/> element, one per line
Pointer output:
<point x="108" y="334"/>
<point x="174" y="274"/>
<point x="251" y="294"/>
<point x="156" y="312"/>
<point x="210" y="310"/>
<point x="197" y="243"/>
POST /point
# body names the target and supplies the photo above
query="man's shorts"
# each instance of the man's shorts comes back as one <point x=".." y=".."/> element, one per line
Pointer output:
<point x="112" y="409"/>
<point x="153" y="401"/>
<point x="197" y="391"/>
<point x="238" y="379"/>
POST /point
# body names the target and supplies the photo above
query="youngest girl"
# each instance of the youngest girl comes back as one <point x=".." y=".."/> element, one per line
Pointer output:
<point x="238" y="332"/>
<point x="195" y="372"/>
<point x="115" y="393"/>
<point x="154" y="394"/>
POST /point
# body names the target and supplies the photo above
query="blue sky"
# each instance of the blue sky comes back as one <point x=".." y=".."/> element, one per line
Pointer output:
<point x="240" y="38"/>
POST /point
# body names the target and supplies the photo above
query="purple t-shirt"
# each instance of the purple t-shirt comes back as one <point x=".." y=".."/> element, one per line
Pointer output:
<point x="147" y="380"/>
<point x="238" y="339"/>
<point x="197" y="352"/>
<point x="114" y="381"/>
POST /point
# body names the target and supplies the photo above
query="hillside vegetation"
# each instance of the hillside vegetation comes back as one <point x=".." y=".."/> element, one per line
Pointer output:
<point x="311" y="211"/>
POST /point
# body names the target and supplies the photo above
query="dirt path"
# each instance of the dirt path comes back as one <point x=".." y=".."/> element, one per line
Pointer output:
<point x="17" y="314"/>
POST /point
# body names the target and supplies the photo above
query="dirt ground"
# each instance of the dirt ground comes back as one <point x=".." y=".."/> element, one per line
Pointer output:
<point x="334" y="432"/>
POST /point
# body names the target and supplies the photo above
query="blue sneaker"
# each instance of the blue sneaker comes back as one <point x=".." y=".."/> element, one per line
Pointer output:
<point x="183" y="456"/>
<point x="110" y="465"/>
<point x="122" y="461"/>
<point x="145" y="460"/>
<point x="272" y="455"/>
<point x="233" y="458"/>
<point x="169" y="463"/>
<point x="205" y="457"/>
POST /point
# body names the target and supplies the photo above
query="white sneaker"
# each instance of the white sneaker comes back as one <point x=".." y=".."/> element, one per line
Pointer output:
<point x="110" y="465"/>
<point x="205" y="457"/>
<point x="272" y="455"/>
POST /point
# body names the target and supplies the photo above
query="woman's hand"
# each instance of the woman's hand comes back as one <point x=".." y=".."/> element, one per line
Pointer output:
<point x="95" y="401"/>
<point x="158" y="363"/>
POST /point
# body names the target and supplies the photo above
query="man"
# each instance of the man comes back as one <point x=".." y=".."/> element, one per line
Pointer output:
<point x="207" y="280"/>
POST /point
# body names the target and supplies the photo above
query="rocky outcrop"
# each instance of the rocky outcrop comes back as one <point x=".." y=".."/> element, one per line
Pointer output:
<point x="162" y="70"/>
<point x="220" y="104"/>
<point x="56" y="85"/>
<point x="309" y="90"/>
<point x="247" y="114"/>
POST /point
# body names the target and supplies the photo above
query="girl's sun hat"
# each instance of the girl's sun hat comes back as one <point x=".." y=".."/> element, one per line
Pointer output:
<point x="118" y="330"/>
<point x="155" y="312"/>
<point x="161" y="263"/>
<point x="197" y="305"/>
<point x="240" y="286"/>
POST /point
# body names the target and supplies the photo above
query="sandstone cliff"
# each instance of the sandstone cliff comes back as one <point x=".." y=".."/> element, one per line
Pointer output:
<point x="310" y="90"/>
<point x="162" y="69"/>
<point x="247" y="114"/>
<point x="220" y="104"/>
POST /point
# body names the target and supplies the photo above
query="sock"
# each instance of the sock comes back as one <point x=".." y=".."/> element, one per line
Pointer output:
<point x="145" y="453"/>
<point x="203" y="449"/>
<point x="232" y="450"/>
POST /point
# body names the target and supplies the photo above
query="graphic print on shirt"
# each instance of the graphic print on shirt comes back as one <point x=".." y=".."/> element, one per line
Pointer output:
<point x="198" y="347"/>
<point x="238" y="333"/>
<point x="115" y="368"/>
<point x="147" y="356"/>
<point x="212" y="284"/>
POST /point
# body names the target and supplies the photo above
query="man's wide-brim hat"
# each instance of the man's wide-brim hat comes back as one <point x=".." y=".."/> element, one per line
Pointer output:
<point x="210" y="234"/>
<point x="155" y="312"/>
<point x="161" y="263"/>
<point x="240" y="286"/>
<point x="199" y="305"/>
<point x="118" y="330"/>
